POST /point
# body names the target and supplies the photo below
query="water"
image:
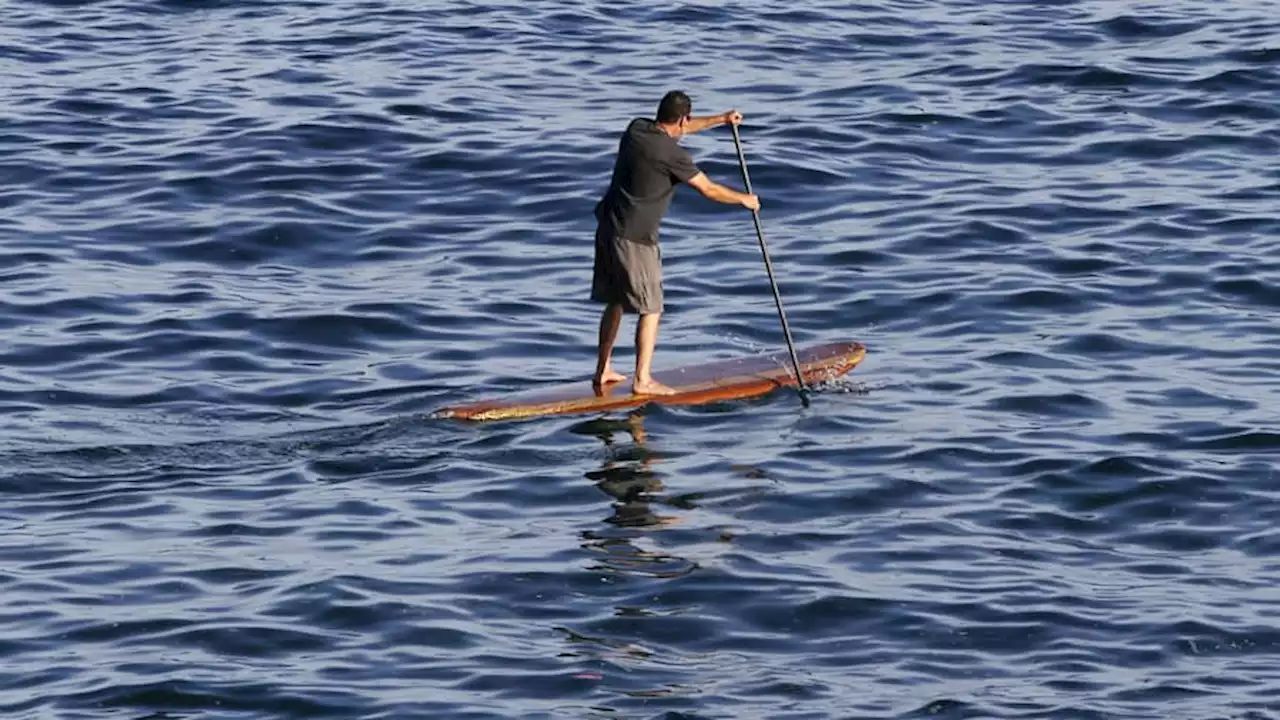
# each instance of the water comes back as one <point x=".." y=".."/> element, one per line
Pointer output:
<point x="248" y="248"/>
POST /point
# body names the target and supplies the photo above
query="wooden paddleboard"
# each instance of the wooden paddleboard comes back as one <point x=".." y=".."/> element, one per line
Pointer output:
<point x="732" y="379"/>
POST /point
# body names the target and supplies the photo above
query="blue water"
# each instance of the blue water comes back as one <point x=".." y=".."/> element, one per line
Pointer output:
<point x="247" y="248"/>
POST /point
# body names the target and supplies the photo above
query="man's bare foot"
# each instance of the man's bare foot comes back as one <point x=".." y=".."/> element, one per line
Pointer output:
<point x="653" y="387"/>
<point x="608" y="377"/>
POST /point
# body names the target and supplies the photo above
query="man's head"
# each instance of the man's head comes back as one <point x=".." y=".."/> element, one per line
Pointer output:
<point x="674" y="111"/>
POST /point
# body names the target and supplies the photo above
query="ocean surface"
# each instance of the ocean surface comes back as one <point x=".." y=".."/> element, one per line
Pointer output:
<point x="248" y="248"/>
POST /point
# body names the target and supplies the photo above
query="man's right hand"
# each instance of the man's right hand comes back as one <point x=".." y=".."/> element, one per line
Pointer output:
<point x="751" y="202"/>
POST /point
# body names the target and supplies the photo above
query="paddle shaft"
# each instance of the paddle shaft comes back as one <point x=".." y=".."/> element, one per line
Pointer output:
<point x="768" y="266"/>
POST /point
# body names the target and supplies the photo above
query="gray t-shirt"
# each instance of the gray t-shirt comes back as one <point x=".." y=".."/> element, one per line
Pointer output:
<point x="649" y="166"/>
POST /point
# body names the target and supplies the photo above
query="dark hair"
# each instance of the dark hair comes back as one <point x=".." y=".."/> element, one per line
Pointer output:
<point x="674" y="106"/>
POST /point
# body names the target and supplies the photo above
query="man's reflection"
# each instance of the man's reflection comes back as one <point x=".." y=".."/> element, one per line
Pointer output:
<point x="629" y="478"/>
<point x="616" y="652"/>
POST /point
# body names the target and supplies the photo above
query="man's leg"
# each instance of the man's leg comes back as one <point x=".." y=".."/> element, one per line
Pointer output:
<point x="609" y="323"/>
<point x="646" y="340"/>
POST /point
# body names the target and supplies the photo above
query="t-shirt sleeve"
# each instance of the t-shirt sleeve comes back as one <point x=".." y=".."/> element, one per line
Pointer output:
<point x="680" y="164"/>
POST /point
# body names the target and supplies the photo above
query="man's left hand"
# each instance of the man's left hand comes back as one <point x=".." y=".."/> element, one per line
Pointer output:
<point x="733" y="117"/>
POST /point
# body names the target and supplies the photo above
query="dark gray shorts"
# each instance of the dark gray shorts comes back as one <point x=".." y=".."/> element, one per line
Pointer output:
<point x="627" y="273"/>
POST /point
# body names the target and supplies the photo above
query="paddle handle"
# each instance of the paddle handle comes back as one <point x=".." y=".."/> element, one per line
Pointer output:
<point x="768" y="266"/>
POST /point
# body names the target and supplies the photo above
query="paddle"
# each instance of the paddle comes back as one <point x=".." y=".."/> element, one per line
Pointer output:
<point x="768" y="266"/>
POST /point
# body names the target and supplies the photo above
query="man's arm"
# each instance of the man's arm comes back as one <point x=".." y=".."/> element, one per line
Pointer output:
<point x="715" y="191"/>
<point x="700" y="123"/>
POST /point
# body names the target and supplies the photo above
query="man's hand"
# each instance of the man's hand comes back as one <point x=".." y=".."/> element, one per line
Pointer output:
<point x="702" y="122"/>
<point x="719" y="193"/>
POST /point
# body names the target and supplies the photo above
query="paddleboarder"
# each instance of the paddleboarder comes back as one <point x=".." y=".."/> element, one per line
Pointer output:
<point x="627" y="273"/>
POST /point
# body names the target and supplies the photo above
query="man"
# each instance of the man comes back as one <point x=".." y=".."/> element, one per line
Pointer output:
<point x="627" y="276"/>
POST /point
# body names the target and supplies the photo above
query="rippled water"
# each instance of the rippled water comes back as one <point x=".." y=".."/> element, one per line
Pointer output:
<point x="248" y="248"/>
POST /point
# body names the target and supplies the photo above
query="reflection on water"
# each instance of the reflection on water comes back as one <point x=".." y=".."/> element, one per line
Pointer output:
<point x="629" y="477"/>
<point x="615" y="650"/>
